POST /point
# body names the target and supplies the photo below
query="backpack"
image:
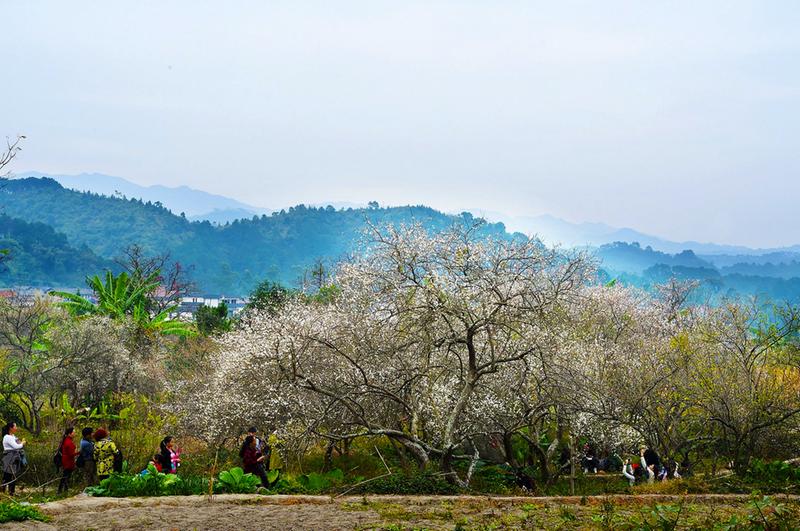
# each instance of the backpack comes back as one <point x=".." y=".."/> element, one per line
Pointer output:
<point x="117" y="461"/>
<point x="57" y="458"/>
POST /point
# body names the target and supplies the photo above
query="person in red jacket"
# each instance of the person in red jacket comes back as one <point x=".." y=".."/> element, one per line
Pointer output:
<point x="68" y="455"/>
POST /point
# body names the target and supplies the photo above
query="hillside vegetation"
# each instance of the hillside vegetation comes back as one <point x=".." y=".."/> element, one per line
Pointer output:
<point x="38" y="255"/>
<point x="229" y="258"/>
<point x="57" y="236"/>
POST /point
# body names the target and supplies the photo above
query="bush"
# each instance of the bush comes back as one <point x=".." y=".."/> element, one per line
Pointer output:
<point x="154" y="483"/>
<point x="235" y="481"/>
<point x="410" y="483"/>
<point x="773" y="472"/>
<point x="691" y="485"/>
<point x="17" y="512"/>
<point x="493" y="479"/>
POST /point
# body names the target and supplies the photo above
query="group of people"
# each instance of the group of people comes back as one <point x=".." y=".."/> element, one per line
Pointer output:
<point x="98" y="456"/>
<point x="647" y="467"/>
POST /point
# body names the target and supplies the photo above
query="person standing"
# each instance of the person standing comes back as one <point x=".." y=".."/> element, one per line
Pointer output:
<point x="253" y="460"/>
<point x="649" y="460"/>
<point x="86" y="455"/>
<point x="104" y="452"/>
<point x="262" y="446"/>
<point x="627" y="471"/>
<point x="13" y="457"/>
<point x="68" y="455"/>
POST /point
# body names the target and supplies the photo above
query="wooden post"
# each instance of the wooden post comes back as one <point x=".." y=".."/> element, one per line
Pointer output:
<point x="571" y="466"/>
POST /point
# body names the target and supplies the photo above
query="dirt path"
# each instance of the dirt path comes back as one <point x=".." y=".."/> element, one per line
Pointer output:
<point x="237" y="512"/>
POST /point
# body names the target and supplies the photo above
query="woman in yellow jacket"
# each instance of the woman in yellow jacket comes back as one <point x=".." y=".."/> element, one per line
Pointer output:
<point x="104" y="452"/>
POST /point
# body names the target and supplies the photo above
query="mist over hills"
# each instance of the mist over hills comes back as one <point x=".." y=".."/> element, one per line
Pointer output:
<point x="201" y="206"/>
<point x="553" y="230"/>
<point x="58" y="235"/>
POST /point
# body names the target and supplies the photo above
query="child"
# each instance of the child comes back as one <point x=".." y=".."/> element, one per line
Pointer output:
<point x="155" y="462"/>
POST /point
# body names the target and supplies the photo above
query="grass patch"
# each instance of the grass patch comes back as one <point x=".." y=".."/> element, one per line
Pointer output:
<point x="17" y="512"/>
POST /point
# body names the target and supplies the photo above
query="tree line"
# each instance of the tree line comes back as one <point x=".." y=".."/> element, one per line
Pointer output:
<point x="448" y="344"/>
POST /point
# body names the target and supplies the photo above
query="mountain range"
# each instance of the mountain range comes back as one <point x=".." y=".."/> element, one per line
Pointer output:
<point x="57" y="235"/>
<point x="198" y="205"/>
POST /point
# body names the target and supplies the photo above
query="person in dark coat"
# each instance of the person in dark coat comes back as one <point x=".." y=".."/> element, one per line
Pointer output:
<point x="253" y="460"/>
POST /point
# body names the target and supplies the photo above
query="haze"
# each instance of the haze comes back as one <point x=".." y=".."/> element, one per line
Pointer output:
<point x="680" y="119"/>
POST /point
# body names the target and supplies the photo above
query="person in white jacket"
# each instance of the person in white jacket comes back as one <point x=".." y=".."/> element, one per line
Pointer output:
<point x="627" y="471"/>
<point x="12" y="457"/>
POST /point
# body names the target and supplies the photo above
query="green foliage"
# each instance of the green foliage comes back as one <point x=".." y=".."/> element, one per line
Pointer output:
<point x="314" y="482"/>
<point x="120" y="297"/>
<point x="34" y="254"/>
<point x="235" y="481"/>
<point x="211" y="321"/>
<point x="269" y="296"/>
<point x="773" y="473"/>
<point x="228" y="258"/>
<point x="103" y="414"/>
<point x="494" y="479"/>
<point x="18" y="512"/>
<point x="410" y="482"/>
<point x="155" y="483"/>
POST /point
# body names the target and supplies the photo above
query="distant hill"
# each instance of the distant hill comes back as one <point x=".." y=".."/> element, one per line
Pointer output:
<point x="553" y="230"/>
<point x="228" y="258"/>
<point x="47" y="225"/>
<point x="198" y="205"/>
<point x="632" y="258"/>
<point x="39" y="256"/>
<point x="195" y="204"/>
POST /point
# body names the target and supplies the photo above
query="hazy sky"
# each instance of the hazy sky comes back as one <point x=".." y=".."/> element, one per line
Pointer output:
<point x="680" y="119"/>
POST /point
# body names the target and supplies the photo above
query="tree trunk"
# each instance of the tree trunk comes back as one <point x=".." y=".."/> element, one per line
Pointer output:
<point x="416" y="450"/>
<point x="449" y="471"/>
<point x="327" y="462"/>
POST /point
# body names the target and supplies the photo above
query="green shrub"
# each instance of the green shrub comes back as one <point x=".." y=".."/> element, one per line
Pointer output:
<point x="314" y="482"/>
<point x="287" y="485"/>
<point x="155" y="483"/>
<point x="17" y="512"/>
<point x="772" y="472"/>
<point x="493" y="479"/>
<point x="235" y="481"/>
<point x="123" y="485"/>
<point x="410" y="483"/>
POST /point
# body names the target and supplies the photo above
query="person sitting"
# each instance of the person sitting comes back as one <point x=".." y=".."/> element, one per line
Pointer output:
<point x="169" y="457"/>
<point x="155" y="461"/>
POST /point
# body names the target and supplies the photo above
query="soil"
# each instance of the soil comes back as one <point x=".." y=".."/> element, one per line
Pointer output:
<point x="237" y="512"/>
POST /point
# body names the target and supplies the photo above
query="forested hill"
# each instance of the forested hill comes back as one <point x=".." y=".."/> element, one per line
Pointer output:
<point x="230" y="258"/>
<point x="57" y="236"/>
<point x="37" y="255"/>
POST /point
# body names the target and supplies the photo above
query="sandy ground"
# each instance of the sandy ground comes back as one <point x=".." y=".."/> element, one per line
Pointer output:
<point x="303" y="512"/>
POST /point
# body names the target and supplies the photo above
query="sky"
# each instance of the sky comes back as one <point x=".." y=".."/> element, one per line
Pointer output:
<point x="679" y="119"/>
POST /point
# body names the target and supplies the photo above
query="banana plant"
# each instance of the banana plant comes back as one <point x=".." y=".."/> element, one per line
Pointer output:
<point x="119" y="297"/>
